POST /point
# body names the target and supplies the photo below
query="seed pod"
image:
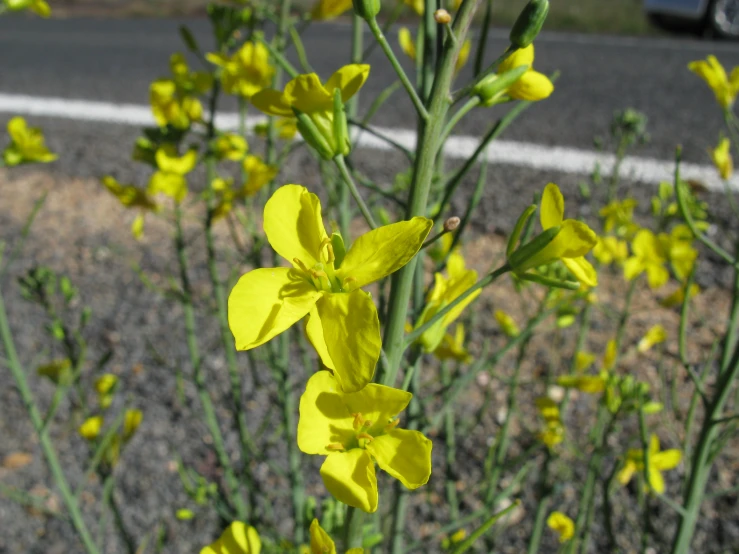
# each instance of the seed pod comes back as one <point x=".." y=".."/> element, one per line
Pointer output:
<point x="366" y="9"/>
<point x="529" y="23"/>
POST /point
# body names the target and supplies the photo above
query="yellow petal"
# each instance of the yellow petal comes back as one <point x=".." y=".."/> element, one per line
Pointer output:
<point x="17" y="129"/>
<point x="324" y="417"/>
<point x="169" y="184"/>
<point x="169" y="162"/>
<point x="350" y="478"/>
<point x="383" y="251"/>
<point x="351" y="331"/>
<point x="522" y="56"/>
<point x="267" y="301"/>
<point x="307" y="94"/>
<point x="294" y="225"/>
<point x="349" y="79"/>
<point x="657" y="275"/>
<point x="532" y="86"/>
<point x="328" y="9"/>
<point x="137" y="227"/>
<point x="272" y="102"/>
<point x="582" y="270"/>
<point x="320" y="541"/>
<point x="464" y="54"/>
<point x="404" y="454"/>
<point x="238" y="538"/>
<point x="407" y="44"/>
<point x="626" y="473"/>
<point x="552" y="206"/>
<point x="667" y="459"/>
<point x="314" y="331"/>
<point x="378" y="404"/>
<point x="656" y="481"/>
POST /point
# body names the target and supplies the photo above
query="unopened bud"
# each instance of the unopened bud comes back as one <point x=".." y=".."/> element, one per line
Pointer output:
<point x="442" y="17"/>
<point x="366" y="9"/>
<point x="529" y="23"/>
<point x="451" y="224"/>
<point x="493" y="87"/>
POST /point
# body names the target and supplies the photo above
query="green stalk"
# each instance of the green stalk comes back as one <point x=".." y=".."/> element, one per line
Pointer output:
<point x="341" y="165"/>
<point x="542" y="507"/>
<point x="485" y="27"/>
<point x="354" y="528"/>
<point x="209" y="412"/>
<point x="109" y="495"/>
<point x="450" y="484"/>
<point x="19" y="375"/>
<point x="457" y="117"/>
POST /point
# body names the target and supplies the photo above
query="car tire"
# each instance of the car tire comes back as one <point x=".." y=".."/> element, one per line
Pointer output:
<point x="722" y="18"/>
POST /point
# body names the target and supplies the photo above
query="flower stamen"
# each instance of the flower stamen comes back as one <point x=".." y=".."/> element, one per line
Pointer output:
<point x="335" y="446"/>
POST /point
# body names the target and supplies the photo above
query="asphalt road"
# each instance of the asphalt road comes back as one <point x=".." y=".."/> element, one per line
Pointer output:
<point x="115" y="60"/>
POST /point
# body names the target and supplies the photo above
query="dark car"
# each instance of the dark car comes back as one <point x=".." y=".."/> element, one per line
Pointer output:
<point x="713" y="17"/>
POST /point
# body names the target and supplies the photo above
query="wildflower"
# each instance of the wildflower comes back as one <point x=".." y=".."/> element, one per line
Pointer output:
<point x="286" y="128"/>
<point x="452" y="347"/>
<point x="39" y="7"/>
<point x="440" y="249"/>
<point x="105" y="387"/>
<point x="171" y="107"/>
<point x="26" y="144"/>
<point x="322" y="543"/>
<point x="610" y="249"/>
<point x="571" y="242"/>
<point x="618" y="217"/>
<point x="324" y="281"/>
<point x="721" y="156"/>
<point x="314" y="105"/>
<point x="516" y="79"/>
<point x="591" y="384"/>
<point x="553" y="432"/>
<point x="583" y="360"/>
<point x="58" y="372"/>
<point x="445" y="291"/>
<point x="562" y="525"/>
<point x="355" y="430"/>
<point x="183" y="514"/>
<point x="329" y="9"/>
<point x="678" y="247"/>
<point x="131" y="421"/>
<point x="507" y="323"/>
<point x="230" y="146"/>
<point x="458" y="536"/>
<point x="90" y="428"/>
<point x="170" y="178"/>
<point x="257" y="173"/>
<point x="609" y="356"/>
<point x="657" y="462"/>
<point x="678" y="297"/>
<point x="238" y="538"/>
<point x="246" y="71"/>
<point x="131" y="197"/>
<point x="655" y="335"/>
<point x="713" y="73"/>
<point x="648" y="256"/>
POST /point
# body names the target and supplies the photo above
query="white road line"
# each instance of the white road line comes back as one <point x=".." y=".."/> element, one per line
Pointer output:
<point x="522" y="154"/>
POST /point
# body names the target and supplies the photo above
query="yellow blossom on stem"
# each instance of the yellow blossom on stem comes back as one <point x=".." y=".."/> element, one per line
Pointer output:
<point x="238" y="538"/>
<point x="562" y="525"/>
<point x="131" y="421"/>
<point x="27" y="144"/>
<point x="721" y="156"/>
<point x="654" y="336"/>
<point x="286" y="128"/>
<point x="507" y="323"/>
<point x="532" y="85"/>
<point x="609" y="356"/>
<point x="611" y="249"/>
<point x="324" y="281"/>
<point x="648" y="257"/>
<point x="313" y="103"/>
<point x="553" y="431"/>
<point x="230" y="146"/>
<point x="322" y="543"/>
<point x="170" y="179"/>
<point x="58" y="372"/>
<point x="105" y="385"/>
<point x="657" y="462"/>
<point x="329" y="9"/>
<point x="246" y="71"/>
<point x="678" y="247"/>
<point x="677" y="298"/>
<point x="39" y="7"/>
<point x="618" y="217"/>
<point x="725" y="87"/>
<point x="170" y="106"/>
<point x="257" y="173"/>
<point x="591" y="384"/>
<point x="445" y="291"/>
<point x="90" y="428"/>
<point x="573" y="239"/>
<point x="355" y="430"/>
<point x="452" y="347"/>
<point x="583" y="360"/>
<point x="129" y="195"/>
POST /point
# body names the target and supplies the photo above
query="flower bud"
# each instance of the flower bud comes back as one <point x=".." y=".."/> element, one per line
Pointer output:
<point x="518" y="229"/>
<point x="341" y="129"/>
<point x="442" y="17"/>
<point x="451" y="224"/>
<point x="313" y="136"/>
<point x="529" y="23"/>
<point x="366" y="9"/>
<point x="493" y="87"/>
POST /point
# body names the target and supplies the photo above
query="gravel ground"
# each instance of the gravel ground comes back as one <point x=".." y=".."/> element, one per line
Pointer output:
<point x="83" y="233"/>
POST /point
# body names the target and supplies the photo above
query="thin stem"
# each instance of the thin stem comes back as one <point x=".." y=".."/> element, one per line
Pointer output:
<point x="542" y="507"/>
<point x="450" y="484"/>
<point x="341" y="165"/>
<point x="354" y="528"/>
<point x="458" y="115"/>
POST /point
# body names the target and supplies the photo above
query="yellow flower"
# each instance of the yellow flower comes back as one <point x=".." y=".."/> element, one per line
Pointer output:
<point x="452" y="347"/>
<point x="444" y="292"/>
<point x="26" y="144"/>
<point x="328" y="9"/>
<point x="591" y="384"/>
<point x="654" y="336"/>
<point x="416" y="5"/>
<point x="322" y="543"/>
<point x="188" y="82"/>
<point x="553" y="431"/>
<point x="238" y="538"/>
<point x="305" y="94"/>
<point x="183" y="514"/>
<point x="90" y="428"/>
<point x="324" y="282"/>
<point x="677" y="298"/>
<point x="583" y="361"/>
<point x="572" y="242"/>
<point x="105" y="385"/>
<point x="286" y="128"/>
<point x="648" y="256"/>
<point x="230" y="146"/>
<point x="131" y="421"/>
<point x="712" y="72"/>
<point x="678" y="247"/>
<point x="658" y="462"/>
<point x="39" y="7"/>
<point x="355" y="430"/>
<point x="507" y="323"/>
<point x="129" y="195"/>
<point x="562" y="525"/>
<point x="246" y="71"/>
<point x="721" y="156"/>
<point x="610" y="249"/>
<point x="609" y="356"/>
<point x="58" y="371"/>
<point x="171" y="107"/>
<point x="258" y="174"/>
<point x="618" y="217"/>
<point x="170" y="179"/>
<point x="532" y="85"/>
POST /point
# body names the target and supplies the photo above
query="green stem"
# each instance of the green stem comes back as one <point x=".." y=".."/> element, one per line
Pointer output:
<point x="354" y="528"/>
<point x="450" y="484"/>
<point x="341" y="165"/>
<point x="646" y="519"/>
<point x="458" y="115"/>
<point x="19" y="375"/>
<point x="485" y="27"/>
<point x="542" y="507"/>
<point x="120" y="524"/>
<point x="457" y="96"/>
